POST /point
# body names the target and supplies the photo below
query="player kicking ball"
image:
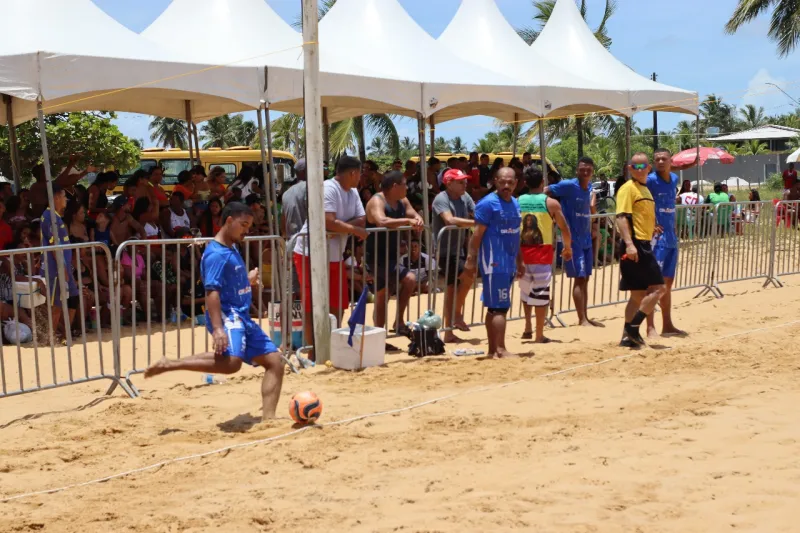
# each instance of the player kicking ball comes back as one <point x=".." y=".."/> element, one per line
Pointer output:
<point x="237" y="338"/>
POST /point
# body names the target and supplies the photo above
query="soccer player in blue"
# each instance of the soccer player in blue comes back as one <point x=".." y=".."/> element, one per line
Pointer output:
<point x="496" y="244"/>
<point x="663" y="185"/>
<point x="237" y="338"/>
<point x="575" y="196"/>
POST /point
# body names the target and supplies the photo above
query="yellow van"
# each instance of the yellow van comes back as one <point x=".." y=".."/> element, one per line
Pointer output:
<point x="505" y="156"/>
<point x="175" y="160"/>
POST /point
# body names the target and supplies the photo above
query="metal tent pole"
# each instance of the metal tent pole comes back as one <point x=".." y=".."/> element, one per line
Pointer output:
<point x="543" y="151"/>
<point x="316" y="211"/>
<point x="579" y="130"/>
<point x="265" y="174"/>
<point x="272" y="178"/>
<point x="188" y="106"/>
<point x="423" y="174"/>
<point x="12" y="143"/>
<point x="196" y="142"/>
<point x="432" y="122"/>
<point x="326" y="137"/>
<point x="697" y="161"/>
<point x="516" y="134"/>
<point x="59" y="253"/>
<point x="627" y="139"/>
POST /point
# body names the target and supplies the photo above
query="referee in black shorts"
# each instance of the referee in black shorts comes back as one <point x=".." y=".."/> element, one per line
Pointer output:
<point x="641" y="275"/>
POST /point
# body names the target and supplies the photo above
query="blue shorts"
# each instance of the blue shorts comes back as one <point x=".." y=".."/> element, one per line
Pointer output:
<point x="246" y="339"/>
<point x="667" y="259"/>
<point x="497" y="290"/>
<point x="580" y="266"/>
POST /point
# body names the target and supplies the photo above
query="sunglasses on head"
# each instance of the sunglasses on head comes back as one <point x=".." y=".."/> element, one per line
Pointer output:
<point x="639" y="166"/>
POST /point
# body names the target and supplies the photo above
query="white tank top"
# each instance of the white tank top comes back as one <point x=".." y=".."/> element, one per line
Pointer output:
<point x="179" y="221"/>
<point x="151" y="230"/>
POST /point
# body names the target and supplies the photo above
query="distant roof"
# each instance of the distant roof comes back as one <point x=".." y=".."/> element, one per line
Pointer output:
<point x="768" y="132"/>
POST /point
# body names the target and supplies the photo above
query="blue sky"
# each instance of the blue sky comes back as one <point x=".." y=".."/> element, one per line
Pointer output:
<point x="686" y="46"/>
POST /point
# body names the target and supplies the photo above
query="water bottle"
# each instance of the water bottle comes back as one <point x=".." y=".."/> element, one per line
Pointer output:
<point x="210" y="379"/>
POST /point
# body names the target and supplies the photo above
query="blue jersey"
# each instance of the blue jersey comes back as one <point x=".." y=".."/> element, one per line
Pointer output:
<point x="664" y="193"/>
<point x="500" y="244"/>
<point x="577" y="206"/>
<point x="63" y="239"/>
<point x="223" y="270"/>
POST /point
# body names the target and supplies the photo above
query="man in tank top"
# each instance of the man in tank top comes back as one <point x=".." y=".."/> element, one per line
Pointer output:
<point x="391" y="209"/>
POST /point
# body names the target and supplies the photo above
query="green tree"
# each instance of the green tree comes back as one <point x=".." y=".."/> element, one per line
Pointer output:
<point x="226" y="131"/>
<point x="716" y="113"/>
<point x="168" y="132"/>
<point x="784" y="28"/>
<point x="350" y="134"/>
<point x="753" y="147"/>
<point x="686" y="134"/>
<point x="752" y="117"/>
<point x="408" y="148"/>
<point x="543" y="9"/>
<point x="92" y="135"/>
<point x="458" y="145"/>
<point x="377" y="147"/>
<point x="288" y="133"/>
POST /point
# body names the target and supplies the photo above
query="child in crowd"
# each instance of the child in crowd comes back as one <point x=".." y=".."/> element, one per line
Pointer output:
<point x="101" y="232"/>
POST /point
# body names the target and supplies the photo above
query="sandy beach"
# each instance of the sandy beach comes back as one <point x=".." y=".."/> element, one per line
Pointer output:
<point x="696" y="434"/>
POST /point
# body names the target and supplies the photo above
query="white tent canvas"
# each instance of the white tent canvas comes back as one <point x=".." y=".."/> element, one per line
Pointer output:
<point x="736" y="183"/>
<point x="567" y="41"/>
<point x="45" y="51"/>
<point x="793" y="157"/>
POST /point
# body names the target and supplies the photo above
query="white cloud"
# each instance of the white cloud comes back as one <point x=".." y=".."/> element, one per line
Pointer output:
<point x="761" y="94"/>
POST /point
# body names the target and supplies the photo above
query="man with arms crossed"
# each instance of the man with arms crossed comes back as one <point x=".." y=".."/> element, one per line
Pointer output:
<point x="535" y="260"/>
<point x="496" y="243"/>
<point x="575" y="196"/>
<point x="344" y="214"/>
<point x="237" y="337"/>
<point x="663" y="185"/>
<point x="636" y="218"/>
<point x="454" y="207"/>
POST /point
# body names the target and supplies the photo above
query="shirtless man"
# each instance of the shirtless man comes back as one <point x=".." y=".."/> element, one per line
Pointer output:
<point x="123" y="225"/>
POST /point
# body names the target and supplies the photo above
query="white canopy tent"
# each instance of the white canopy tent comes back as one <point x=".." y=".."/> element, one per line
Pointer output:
<point x="480" y="33"/>
<point x="793" y="157"/>
<point x="567" y="41"/>
<point x="45" y="51"/>
<point x="249" y="32"/>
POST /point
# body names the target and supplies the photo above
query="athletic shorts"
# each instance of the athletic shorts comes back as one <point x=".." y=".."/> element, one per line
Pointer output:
<point x="497" y="290"/>
<point x="580" y="266"/>
<point x="246" y="339"/>
<point x="337" y="277"/>
<point x="73" y="300"/>
<point x="451" y="268"/>
<point x="393" y="271"/>
<point x="641" y="274"/>
<point x="667" y="259"/>
<point x="534" y="286"/>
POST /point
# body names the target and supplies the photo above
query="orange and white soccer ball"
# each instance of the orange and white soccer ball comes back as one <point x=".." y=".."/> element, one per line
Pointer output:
<point x="305" y="407"/>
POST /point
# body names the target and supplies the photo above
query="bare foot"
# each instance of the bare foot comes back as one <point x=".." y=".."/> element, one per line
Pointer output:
<point x="451" y="338"/>
<point x="652" y="333"/>
<point x="595" y="323"/>
<point x="542" y="340"/>
<point x="159" y="367"/>
<point x="673" y="332"/>
<point x="502" y="353"/>
<point x="461" y="325"/>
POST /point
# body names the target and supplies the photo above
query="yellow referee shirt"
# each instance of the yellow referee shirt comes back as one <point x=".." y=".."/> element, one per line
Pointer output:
<point x="635" y="200"/>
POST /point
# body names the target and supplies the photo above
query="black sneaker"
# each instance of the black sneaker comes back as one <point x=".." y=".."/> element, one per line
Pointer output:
<point x="632" y="333"/>
<point x="627" y="343"/>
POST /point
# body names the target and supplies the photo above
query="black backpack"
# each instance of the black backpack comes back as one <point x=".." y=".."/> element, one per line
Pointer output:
<point x="424" y="342"/>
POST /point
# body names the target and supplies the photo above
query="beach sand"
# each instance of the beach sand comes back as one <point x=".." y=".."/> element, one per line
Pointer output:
<point x="690" y="435"/>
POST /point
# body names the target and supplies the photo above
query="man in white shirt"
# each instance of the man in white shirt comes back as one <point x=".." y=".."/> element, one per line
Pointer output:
<point x="419" y="263"/>
<point x="344" y="215"/>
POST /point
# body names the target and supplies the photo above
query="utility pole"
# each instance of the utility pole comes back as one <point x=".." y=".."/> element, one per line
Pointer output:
<point x="655" y="122"/>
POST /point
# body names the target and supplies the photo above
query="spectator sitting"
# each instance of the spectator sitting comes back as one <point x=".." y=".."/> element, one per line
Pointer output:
<point x="216" y="182"/>
<point x="142" y="214"/>
<point x="185" y="186"/>
<point x="176" y="216"/>
<point x="210" y="221"/>
<point x="98" y="193"/>
<point x="246" y="182"/>
<point x="202" y="190"/>
<point x="6" y="233"/>
<point x="123" y="225"/>
<point x="75" y="219"/>
<point x="419" y="263"/>
<point x="233" y="194"/>
<point x="101" y="231"/>
<point x="16" y="212"/>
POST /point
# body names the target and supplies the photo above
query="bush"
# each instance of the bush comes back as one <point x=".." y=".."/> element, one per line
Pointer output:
<point x="774" y="182"/>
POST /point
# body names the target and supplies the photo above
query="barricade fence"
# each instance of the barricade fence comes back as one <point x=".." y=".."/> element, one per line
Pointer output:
<point x="151" y="296"/>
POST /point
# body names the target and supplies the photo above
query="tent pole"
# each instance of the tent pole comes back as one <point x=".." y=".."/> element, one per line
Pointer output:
<point x="543" y="151"/>
<point x="59" y="253"/>
<point x="12" y="143"/>
<point x="326" y="138"/>
<point x="697" y="160"/>
<point x="272" y="178"/>
<point x="196" y="141"/>
<point x="432" y="122"/>
<point x="627" y="139"/>
<point x="188" y="107"/>
<point x="516" y="134"/>
<point x="264" y="173"/>
<point x="312" y="104"/>
<point x="423" y="174"/>
<point x="579" y="130"/>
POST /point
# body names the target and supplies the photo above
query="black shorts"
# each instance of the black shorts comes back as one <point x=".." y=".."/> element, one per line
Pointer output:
<point x="394" y="272"/>
<point x="451" y="268"/>
<point x="642" y="274"/>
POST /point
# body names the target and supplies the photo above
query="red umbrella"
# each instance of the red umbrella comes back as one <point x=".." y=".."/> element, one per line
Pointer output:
<point x="688" y="158"/>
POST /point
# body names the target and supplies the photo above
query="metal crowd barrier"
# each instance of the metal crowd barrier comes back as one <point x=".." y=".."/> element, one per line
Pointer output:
<point x="28" y="299"/>
<point x="785" y="252"/>
<point x="694" y="227"/>
<point x="156" y="303"/>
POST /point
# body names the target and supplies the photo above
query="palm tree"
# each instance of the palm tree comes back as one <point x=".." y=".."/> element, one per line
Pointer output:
<point x="350" y="134"/>
<point x="377" y="147"/>
<point x="288" y="133"/>
<point x="686" y="133"/>
<point x="487" y="144"/>
<point x="219" y="132"/>
<point x="408" y="148"/>
<point x="716" y="113"/>
<point x="544" y="9"/>
<point x="753" y="147"/>
<point x="752" y="117"/>
<point x="458" y="146"/>
<point x="245" y="131"/>
<point x="784" y="26"/>
<point x="168" y="132"/>
<point x="441" y="146"/>
<point x="732" y="148"/>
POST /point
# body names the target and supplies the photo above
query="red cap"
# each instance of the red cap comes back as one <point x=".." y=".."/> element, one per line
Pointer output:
<point x="454" y="174"/>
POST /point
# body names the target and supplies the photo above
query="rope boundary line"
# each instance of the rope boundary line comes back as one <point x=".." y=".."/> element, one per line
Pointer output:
<point x="357" y="418"/>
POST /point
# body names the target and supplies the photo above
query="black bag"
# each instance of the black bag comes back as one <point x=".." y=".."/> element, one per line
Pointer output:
<point x="424" y="342"/>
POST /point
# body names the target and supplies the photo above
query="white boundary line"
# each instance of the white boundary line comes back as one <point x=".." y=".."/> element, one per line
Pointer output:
<point x="363" y="417"/>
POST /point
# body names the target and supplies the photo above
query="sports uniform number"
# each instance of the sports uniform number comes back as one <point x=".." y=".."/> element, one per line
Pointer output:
<point x="503" y="293"/>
